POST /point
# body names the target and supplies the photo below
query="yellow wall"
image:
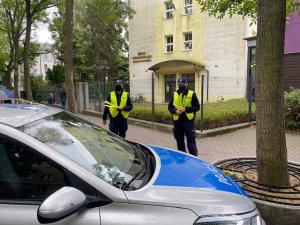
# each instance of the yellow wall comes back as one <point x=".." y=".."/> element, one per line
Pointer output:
<point x="177" y="26"/>
<point x="218" y="45"/>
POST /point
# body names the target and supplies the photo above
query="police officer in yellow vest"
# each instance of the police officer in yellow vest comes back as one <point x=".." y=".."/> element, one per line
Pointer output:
<point x="183" y="106"/>
<point x="117" y="105"/>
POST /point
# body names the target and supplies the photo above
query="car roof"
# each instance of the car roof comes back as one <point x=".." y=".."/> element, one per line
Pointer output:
<point x="16" y="115"/>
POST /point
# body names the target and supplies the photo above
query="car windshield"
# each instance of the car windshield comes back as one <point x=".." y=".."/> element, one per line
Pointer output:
<point x="104" y="154"/>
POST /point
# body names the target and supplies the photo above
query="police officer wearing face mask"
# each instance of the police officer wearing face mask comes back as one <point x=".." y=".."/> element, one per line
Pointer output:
<point x="118" y="105"/>
<point x="183" y="106"/>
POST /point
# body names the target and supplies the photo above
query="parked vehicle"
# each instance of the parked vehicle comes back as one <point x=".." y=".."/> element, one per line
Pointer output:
<point x="56" y="167"/>
<point x="6" y="96"/>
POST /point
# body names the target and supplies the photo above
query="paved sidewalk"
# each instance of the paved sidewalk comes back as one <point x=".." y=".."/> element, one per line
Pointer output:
<point x="240" y="143"/>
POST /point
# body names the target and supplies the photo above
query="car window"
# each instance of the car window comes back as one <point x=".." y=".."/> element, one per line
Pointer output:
<point x="24" y="175"/>
<point x="104" y="154"/>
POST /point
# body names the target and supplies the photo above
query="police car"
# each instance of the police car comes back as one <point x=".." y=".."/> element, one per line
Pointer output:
<point x="6" y="96"/>
<point x="56" y="168"/>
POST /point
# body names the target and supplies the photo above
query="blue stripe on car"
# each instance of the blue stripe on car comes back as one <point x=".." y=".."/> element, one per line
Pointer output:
<point x="182" y="170"/>
<point x="27" y="107"/>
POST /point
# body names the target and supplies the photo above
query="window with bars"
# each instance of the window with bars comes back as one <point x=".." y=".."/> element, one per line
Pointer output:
<point x="169" y="10"/>
<point x="188" y="7"/>
<point x="188" y="41"/>
<point x="169" y="42"/>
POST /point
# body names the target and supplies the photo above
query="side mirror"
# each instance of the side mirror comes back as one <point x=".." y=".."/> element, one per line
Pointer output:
<point x="60" y="204"/>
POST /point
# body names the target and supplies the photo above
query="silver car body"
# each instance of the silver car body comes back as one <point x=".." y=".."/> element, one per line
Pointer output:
<point x="182" y="189"/>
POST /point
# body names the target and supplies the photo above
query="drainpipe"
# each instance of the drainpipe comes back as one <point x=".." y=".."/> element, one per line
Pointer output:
<point x="207" y="83"/>
<point x="202" y="105"/>
<point x="153" y="100"/>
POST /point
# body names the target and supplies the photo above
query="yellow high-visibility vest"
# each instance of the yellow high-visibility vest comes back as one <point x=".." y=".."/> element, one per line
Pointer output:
<point x="113" y="104"/>
<point x="185" y="101"/>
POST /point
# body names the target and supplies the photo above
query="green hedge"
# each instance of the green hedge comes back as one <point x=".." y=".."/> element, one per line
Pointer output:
<point x="217" y="114"/>
<point x="292" y="109"/>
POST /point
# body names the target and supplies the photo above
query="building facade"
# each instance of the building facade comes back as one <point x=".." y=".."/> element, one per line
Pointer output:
<point x="170" y="39"/>
<point x="291" y="59"/>
<point x="291" y="76"/>
<point x="44" y="61"/>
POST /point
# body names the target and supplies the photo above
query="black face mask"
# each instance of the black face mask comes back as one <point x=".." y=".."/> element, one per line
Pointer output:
<point x="182" y="88"/>
<point x="118" y="88"/>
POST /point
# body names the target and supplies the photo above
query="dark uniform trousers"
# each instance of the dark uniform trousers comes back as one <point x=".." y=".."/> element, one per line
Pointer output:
<point x="118" y="126"/>
<point x="187" y="128"/>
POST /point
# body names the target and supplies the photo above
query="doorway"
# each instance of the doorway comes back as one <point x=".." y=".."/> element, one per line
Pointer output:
<point x="170" y="86"/>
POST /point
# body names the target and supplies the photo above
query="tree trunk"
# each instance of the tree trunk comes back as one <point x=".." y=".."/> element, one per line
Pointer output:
<point x="68" y="56"/>
<point x="8" y="74"/>
<point x="270" y="130"/>
<point x="27" y="83"/>
<point x="16" y="67"/>
<point x="9" y="67"/>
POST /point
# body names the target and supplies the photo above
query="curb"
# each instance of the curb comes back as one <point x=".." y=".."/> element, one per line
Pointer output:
<point x="169" y="128"/>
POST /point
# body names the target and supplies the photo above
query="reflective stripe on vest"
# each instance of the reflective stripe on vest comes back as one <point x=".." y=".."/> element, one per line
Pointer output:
<point x="114" y="104"/>
<point x="185" y="101"/>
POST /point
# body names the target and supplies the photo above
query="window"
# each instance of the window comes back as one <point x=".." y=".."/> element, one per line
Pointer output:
<point x="169" y="40"/>
<point x="188" y="39"/>
<point x="169" y="10"/>
<point x="45" y="67"/>
<point x="188" y="7"/>
<point x="25" y="176"/>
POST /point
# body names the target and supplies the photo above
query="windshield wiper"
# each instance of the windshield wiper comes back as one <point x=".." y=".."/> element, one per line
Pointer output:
<point x="145" y="168"/>
<point x="135" y="177"/>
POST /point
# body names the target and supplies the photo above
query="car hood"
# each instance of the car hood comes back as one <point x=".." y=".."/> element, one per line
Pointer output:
<point x="185" y="181"/>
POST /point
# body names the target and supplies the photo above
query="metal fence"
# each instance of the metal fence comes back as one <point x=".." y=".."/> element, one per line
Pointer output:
<point x="216" y="89"/>
<point x="208" y="89"/>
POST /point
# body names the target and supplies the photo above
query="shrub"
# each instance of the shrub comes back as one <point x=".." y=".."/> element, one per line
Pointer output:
<point x="216" y="114"/>
<point x="292" y="109"/>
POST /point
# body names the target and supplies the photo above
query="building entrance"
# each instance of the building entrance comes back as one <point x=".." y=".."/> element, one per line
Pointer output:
<point x="170" y="86"/>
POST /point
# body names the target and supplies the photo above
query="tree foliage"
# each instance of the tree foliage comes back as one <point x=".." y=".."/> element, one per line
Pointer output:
<point x="220" y="8"/>
<point x="244" y="8"/>
<point x="99" y="36"/>
<point x="56" y="74"/>
<point x="35" y="11"/>
<point x="16" y="46"/>
<point x="292" y="109"/>
<point x="12" y="14"/>
<point x="4" y="51"/>
<point x="37" y="83"/>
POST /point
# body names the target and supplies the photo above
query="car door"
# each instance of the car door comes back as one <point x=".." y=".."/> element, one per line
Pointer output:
<point x="27" y="178"/>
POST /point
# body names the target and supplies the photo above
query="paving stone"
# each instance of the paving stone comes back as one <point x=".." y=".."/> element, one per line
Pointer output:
<point x="239" y="143"/>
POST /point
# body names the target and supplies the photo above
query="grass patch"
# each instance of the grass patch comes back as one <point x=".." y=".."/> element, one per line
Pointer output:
<point x="217" y="114"/>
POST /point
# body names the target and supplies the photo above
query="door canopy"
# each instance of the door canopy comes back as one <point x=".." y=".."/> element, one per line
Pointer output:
<point x="175" y="63"/>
